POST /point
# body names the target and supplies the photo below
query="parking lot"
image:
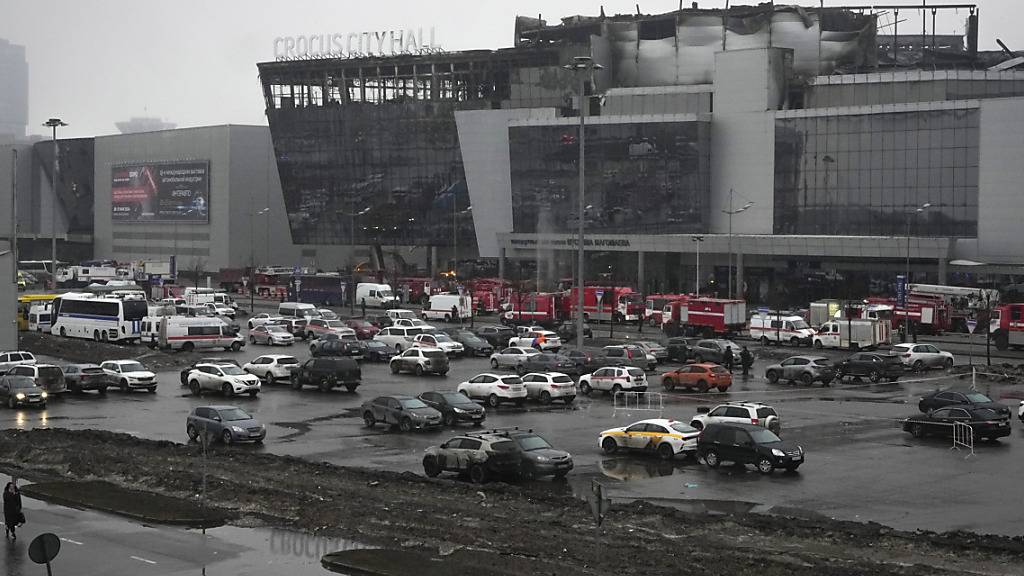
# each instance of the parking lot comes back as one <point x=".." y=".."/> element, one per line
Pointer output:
<point x="860" y="464"/>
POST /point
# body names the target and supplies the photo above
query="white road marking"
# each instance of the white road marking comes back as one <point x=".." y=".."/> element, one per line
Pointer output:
<point x="69" y="540"/>
<point x="142" y="560"/>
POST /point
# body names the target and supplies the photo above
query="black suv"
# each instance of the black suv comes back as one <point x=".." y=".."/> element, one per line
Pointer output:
<point x="678" y="348"/>
<point x="747" y="444"/>
<point x="498" y="336"/>
<point x="474" y="344"/>
<point x="326" y="373"/>
<point x="875" y="366"/>
<point x="338" y="347"/>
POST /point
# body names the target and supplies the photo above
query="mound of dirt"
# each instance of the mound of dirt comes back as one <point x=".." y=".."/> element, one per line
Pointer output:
<point x="96" y="352"/>
<point x="409" y="512"/>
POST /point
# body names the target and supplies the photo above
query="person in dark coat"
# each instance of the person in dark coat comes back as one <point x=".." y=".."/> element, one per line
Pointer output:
<point x="13" y="517"/>
<point x="746" y="360"/>
<point x="727" y="358"/>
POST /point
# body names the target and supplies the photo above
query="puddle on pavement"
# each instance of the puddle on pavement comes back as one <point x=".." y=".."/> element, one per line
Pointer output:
<point x="276" y="551"/>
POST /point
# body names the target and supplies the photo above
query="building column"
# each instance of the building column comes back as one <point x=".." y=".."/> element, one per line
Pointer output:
<point x="942" y="271"/>
<point x="433" y="261"/>
<point x="738" y="291"/>
<point x="501" y="264"/>
<point x="640" y="272"/>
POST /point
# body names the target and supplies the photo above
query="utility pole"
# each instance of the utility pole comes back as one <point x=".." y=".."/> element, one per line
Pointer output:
<point x="54" y="123"/>
<point x="582" y="65"/>
<point x="732" y="212"/>
<point x="14" y="231"/>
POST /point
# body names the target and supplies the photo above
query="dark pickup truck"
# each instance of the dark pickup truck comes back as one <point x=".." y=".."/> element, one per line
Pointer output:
<point x="326" y="373"/>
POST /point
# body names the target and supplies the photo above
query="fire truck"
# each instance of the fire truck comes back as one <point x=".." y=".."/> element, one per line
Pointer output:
<point x="420" y="289"/>
<point x="544" y="308"/>
<point x="961" y="302"/>
<point x="1006" y="326"/>
<point x="488" y="293"/>
<point x="604" y="304"/>
<point x="704" y="316"/>
<point x="272" y="281"/>
<point x="928" y="313"/>
<point x="656" y="303"/>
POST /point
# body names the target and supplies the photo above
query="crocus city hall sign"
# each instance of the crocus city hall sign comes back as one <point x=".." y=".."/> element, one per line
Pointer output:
<point x="356" y="44"/>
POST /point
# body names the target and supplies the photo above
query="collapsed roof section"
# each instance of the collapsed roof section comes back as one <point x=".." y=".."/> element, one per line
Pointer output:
<point x="678" y="48"/>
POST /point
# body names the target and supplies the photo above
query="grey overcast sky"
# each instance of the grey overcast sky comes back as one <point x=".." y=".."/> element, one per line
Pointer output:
<point x="193" y="62"/>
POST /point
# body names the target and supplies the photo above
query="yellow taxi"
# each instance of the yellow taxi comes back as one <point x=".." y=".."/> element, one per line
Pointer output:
<point x="666" y="438"/>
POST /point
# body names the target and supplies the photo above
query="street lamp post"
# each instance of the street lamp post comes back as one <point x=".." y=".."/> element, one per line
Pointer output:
<point x="352" y="253"/>
<point x="698" y="240"/>
<point x="581" y="65"/>
<point x="916" y="212"/>
<point x="252" y="259"/>
<point x="732" y="212"/>
<point x="54" y="123"/>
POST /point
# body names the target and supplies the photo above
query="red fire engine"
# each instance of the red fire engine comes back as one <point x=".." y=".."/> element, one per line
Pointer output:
<point x="420" y="289"/>
<point x="488" y="293"/>
<point x="543" y="308"/>
<point x="602" y="304"/>
<point x="704" y="316"/>
<point x="1006" y="326"/>
<point x="929" y="314"/>
<point x="656" y="303"/>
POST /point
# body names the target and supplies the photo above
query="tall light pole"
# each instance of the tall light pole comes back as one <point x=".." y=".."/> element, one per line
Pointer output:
<point x="54" y="123"/>
<point x="582" y="66"/>
<point x="352" y="253"/>
<point x="252" y="259"/>
<point x="732" y="212"/>
<point x="912" y="213"/>
<point x="698" y="240"/>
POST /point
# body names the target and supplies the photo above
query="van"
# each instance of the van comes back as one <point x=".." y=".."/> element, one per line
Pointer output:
<point x="183" y="333"/>
<point x="297" y="310"/>
<point x="39" y="318"/>
<point x="441" y="305"/>
<point x="780" y="328"/>
<point x="375" y="295"/>
<point x="399" y="314"/>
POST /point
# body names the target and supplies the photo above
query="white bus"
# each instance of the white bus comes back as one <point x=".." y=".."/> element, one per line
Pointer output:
<point x="78" y="315"/>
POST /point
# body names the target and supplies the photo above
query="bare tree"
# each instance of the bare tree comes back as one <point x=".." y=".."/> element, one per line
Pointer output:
<point x="196" y="268"/>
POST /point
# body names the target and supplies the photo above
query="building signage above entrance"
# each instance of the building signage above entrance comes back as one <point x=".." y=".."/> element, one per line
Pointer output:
<point x="568" y="242"/>
<point x="356" y="44"/>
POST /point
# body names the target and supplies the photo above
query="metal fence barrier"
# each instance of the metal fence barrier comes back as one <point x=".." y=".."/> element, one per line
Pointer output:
<point x="963" y="437"/>
<point x="638" y="401"/>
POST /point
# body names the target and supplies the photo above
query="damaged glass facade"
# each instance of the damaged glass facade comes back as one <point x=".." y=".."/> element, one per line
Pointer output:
<point x="650" y="177"/>
<point x="368" y="150"/>
<point x="861" y="175"/>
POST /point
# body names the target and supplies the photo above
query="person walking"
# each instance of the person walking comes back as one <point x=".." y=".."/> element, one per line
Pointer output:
<point x="13" y="516"/>
<point x="746" y="361"/>
<point x="727" y="358"/>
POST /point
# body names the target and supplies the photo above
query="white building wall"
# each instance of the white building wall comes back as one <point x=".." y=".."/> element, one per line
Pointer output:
<point x="1000" y="182"/>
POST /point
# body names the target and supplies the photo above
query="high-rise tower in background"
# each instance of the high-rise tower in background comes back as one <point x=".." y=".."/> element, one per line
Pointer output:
<point x="14" y="95"/>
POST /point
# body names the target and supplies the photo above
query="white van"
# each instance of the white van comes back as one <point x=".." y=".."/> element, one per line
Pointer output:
<point x="184" y="333"/>
<point x="297" y="310"/>
<point x="778" y="328"/>
<point x="401" y="313"/>
<point x="441" y="305"/>
<point x="375" y="295"/>
<point x="39" y="318"/>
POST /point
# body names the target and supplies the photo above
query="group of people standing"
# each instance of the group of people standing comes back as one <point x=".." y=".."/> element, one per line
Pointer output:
<point x="746" y="360"/>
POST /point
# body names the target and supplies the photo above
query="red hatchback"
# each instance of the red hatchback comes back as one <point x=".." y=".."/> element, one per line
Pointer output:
<point x="701" y="377"/>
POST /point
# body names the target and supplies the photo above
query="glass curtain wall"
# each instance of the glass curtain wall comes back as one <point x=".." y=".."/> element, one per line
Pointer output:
<point x="642" y="178"/>
<point x="861" y="175"/>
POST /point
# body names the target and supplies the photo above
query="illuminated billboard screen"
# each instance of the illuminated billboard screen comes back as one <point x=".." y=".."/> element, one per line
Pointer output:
<point x="161" y="192"/>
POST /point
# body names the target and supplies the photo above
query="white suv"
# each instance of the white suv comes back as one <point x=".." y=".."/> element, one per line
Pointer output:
<point x="227" y="378"/>
<point x="614" y="379"/>
<point x="9" y="360"/>
<point x="129" y="375"/>
<point x="398" y="337"/>
<point x="920" y="357"/>
<point x="739" y="413"/>
<point x="439" y="340"/>
<point x="549" y="386"/>
<point x="495" y="389"/>
<point x="271" y="367"/>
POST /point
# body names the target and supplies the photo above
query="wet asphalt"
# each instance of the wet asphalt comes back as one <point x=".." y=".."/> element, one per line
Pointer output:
<point x="860" y="465"/>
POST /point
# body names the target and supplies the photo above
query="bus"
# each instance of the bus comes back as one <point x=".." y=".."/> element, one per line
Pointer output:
<point x="326" y="289"/>
<point x="25" y="303"/>
<point x="78" y="315"/>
